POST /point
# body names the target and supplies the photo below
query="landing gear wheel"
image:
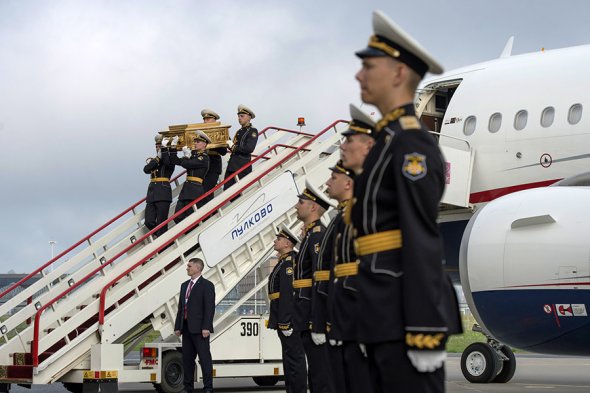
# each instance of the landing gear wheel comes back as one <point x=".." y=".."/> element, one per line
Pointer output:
<point x="480" y="363"/>
<point x="172" y="373"/>
<point x="508" y="366"/>
<point x="265" y="381"/>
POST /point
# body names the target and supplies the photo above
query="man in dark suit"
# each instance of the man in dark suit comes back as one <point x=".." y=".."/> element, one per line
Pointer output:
<point x="194" y="322"/>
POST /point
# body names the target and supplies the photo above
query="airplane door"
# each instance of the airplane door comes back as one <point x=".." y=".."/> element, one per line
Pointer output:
<point x="431" y="105"/>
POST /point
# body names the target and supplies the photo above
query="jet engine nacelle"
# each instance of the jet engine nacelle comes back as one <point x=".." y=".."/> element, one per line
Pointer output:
<point x="525" y="269"/>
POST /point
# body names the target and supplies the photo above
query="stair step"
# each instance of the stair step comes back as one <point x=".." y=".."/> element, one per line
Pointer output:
<point x="21" y="373"/>
<point x="26" y="359"/>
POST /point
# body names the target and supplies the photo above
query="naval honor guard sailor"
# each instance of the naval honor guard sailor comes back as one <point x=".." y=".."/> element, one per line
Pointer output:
<point x="405" y="315"/>
<point x="215" y="162"/>
<point x="345" y="353"/>
<point x="159" y="195"/>
<point x="280" y="293"/>
<point x="311" y="206"/>
<point x="196" y="163"/>
<point x="242" y="145"/>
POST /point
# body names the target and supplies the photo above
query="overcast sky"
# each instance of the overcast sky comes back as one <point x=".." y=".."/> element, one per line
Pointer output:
<point x="85" y="85"/>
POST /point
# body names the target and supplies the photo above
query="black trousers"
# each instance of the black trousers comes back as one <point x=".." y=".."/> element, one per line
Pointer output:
<point x="392" y="371"/>
<point x="338" y="376"/>
<point x="209" y="182"/>
<point x="318" y="372"/>
<point x="155" y="214"/>
<point x="235" y="163"/>
<point x="294" y="363"/>
<point x="356" y="368"/>
<point x="194" y="345"/>
<point x="182" y="203"/>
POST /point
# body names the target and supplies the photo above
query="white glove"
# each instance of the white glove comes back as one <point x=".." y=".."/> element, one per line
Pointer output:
<point x="186" y="151"/>
<point x="427" y="361"/>
<point x="318" y="338"/>
<point x="287" y="332"/>
<point x="174" y="141"/>
<point x="230" y="143"/>
<point x="335" y="343"/>
<point x="363" y="349"/>
<point x="159" y="153"/>
<point x="165" y="142"/>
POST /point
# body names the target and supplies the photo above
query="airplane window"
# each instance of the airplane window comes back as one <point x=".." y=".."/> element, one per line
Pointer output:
<point x="575" y="114"/>
<point x="469" y="126"/>
<point x="520" y="119"/>
<point x="495" y="122"/>
<point x="547" y="116"/>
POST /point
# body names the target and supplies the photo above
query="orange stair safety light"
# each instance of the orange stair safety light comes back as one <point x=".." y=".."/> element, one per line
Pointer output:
<point x="301" y="121"/>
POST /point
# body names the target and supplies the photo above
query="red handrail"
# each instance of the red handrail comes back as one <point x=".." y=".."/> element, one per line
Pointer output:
<point x="87" y="237"/>
<point x="35" y="343"/>
<point x="102" y="302"/>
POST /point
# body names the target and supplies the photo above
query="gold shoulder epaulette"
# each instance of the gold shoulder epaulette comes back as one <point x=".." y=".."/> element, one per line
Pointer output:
<point x="409" y="123"/>
<point x="317" y="228"/>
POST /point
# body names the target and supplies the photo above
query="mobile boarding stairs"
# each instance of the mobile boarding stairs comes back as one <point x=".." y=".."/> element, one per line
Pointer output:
<point x="109" y="283"/>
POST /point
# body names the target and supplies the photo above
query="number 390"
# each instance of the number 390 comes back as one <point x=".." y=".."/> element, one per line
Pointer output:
<point x="249" y="329"/>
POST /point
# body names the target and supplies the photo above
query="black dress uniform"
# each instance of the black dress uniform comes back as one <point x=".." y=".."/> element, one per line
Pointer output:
<point x="244" y="143"/>
<point x="402" y="287"/>
<point x="317" y="355"/>
<point x="214" y="171"/>
<point x="280" y="293"/>
<point x="404" y="301"/>
<point x="196" y="168"/>
<point x="159" y="194"/>
<point x="342" y="308"/>
<point x="319" y="303"/>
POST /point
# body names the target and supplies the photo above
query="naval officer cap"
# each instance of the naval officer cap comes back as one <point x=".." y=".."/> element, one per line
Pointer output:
<point x="244" y="109"/>
<point x="360" y="122"/>
<point x="340" y="168"/>
<point x="200" y="136"/>
<point x="208" y="113"/>
<point x="391" y="40"/>
<point x="314" y="194"/>
<point x="287" y="234"/>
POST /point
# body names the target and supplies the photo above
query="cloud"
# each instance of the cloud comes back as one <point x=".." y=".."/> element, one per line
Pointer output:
<point x="84" y="86"/>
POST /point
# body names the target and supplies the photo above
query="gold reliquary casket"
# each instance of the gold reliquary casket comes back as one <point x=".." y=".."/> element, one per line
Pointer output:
<point x="219" y="133"/>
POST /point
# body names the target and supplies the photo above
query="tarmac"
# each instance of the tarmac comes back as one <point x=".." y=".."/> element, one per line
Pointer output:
<point x="534" y="374"/>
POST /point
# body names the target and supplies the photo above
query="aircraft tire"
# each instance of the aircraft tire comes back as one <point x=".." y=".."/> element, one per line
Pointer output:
<point x="479" y="363"/>
<point x="508" y="366"/>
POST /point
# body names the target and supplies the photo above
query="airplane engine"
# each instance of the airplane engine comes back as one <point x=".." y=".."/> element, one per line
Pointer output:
<point x="525" y="269"/>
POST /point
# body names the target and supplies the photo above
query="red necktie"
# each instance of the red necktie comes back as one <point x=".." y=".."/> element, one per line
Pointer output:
<point x="188" y="293"/>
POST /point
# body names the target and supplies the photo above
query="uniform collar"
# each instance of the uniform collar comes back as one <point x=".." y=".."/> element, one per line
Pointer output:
<point x="310" y="226"/>
<point x="285" y="255"/>
<point x="343" y="204"/>
<point x="395" y="114"/>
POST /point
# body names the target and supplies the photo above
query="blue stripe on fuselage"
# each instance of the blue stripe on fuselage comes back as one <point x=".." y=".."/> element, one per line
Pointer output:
<point x="518" y="318"/>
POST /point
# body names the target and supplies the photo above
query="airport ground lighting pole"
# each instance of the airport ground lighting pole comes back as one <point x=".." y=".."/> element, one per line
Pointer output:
<point x="52" y="245"/>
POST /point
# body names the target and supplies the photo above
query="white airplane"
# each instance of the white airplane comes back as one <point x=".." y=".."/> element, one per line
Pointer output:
<point x="525" y="258"/>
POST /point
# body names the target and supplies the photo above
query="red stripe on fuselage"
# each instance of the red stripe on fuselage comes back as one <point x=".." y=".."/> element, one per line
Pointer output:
<point x="489" y="195"/>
